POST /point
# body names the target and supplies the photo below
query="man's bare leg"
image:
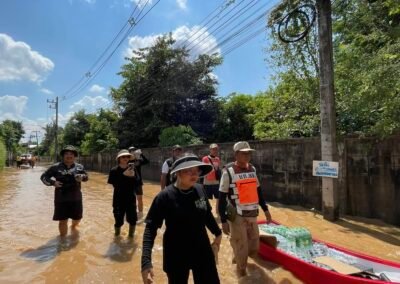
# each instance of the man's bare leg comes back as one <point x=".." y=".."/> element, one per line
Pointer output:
<point x="63" y="227"/>
<point x="74" y="226"/>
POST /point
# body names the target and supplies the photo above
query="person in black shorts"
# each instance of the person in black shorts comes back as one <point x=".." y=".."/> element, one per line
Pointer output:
<point x="66" y="177"/>
<point x="124" y="180"/>
<point x="139" y="160"/>
<point x="186" y="211"/>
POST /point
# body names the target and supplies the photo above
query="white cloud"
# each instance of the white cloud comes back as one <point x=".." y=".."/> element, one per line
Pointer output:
<point x="19" y="62"/>
<point x="97" y="89"/>
<point x="46" y="91"/>
<point x="141" y="3"/>
<point x="197" y="39"/>
<point x="90" y="1"/>
<point x="182" y="4"/>
<point x="90" y="103"/>
<point x="12" y="107"/>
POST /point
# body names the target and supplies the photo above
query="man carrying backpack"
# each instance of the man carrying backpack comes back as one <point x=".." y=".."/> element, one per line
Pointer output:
<point x="177" y="150"/>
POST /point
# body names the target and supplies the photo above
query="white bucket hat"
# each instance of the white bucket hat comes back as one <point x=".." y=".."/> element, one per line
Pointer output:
<point x="123" y="152"/>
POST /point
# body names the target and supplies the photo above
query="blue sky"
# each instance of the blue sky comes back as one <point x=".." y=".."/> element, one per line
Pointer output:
<point x="46" y="46"/>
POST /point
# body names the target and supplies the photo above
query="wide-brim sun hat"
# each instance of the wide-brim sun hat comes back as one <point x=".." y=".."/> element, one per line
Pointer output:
<point x="122" y="153"/>
<point x="242" y="146"/>
<point x="188" y="162"/>
<point x="69" y="148"/>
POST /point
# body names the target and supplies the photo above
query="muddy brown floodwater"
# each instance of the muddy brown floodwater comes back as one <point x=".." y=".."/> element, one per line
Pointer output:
<point x="30" y="251"/>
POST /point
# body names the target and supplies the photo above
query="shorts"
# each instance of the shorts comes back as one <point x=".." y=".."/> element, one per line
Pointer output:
<point x="212" y="190"/>
<point x="68" y="210"/>
<point x="139" y="190"/>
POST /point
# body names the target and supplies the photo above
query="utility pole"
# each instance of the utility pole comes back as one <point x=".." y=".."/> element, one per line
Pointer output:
<point x="54" y="105"/>
<point x="330" y="200"/>
<point x="37" y="139"/>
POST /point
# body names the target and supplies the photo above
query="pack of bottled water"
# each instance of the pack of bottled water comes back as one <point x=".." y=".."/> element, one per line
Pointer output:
<point x="298" y="242"/>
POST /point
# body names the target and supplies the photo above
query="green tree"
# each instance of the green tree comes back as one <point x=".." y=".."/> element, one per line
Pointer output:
<point x="47" y="146"/>
<point x="101" y="136"/>
<point x="182" y="135"/>
<point x="367" y="68"/>
<point x="164" y="87"/>
<point x="3" y="153"/>
<point x="289" y="109"/>
<point x="76" y="128"/>
<point x="234" y="121"/>
<point x="11" y="131"/>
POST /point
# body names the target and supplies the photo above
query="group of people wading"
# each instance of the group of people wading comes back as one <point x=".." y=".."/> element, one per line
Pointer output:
<point x="187" y="184"/>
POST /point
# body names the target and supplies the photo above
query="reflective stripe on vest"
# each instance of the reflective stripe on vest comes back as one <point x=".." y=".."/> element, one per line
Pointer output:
<point x="244" y="190"/>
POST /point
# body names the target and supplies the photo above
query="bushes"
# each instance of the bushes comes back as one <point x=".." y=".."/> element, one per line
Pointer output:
<point x="3" y="154"/>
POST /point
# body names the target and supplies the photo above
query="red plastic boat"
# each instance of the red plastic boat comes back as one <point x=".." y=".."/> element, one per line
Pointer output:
<point x="312" y="274"/>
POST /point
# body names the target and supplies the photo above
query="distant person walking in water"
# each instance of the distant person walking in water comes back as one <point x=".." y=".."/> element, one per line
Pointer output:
<point x="66" y="177"/>
<point x="186" y="211"/>
<point x="139" y="160"/>
<point x="124" y="180"/>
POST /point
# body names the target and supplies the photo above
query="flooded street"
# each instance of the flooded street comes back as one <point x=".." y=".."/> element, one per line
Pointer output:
<point x="30" y="251"/>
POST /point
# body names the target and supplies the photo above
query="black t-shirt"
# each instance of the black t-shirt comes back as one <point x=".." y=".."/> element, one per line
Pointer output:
<point x="124" y="186"/>
<point x="186" y="215"/>
<point x="71" y="189"/>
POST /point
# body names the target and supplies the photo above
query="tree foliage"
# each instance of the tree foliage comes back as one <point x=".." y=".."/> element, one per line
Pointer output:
<point x="3" y="153"/>
<point x="234" y="120"/>
<point x="76" y="128"/>
<point x="101" y="135"/>
<point x="182" y="135"/>
<point x="11" y="132"/>
<point x="164" y="87"/>
<point x="367" y="68"/>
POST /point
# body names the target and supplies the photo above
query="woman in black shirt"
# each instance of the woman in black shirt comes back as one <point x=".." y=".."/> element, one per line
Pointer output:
<point x="123" y="179"/>
<point x="186" y="211"/>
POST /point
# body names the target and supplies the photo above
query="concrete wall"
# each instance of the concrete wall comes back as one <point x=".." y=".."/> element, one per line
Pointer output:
<point x="369" y="175"/>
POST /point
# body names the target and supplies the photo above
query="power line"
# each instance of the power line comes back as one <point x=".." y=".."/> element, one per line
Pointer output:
<point x="187" y="46"/>
<point x="90" y="75"/>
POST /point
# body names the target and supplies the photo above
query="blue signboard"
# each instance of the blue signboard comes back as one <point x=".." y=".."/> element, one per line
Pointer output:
<point x="325" y="169"/>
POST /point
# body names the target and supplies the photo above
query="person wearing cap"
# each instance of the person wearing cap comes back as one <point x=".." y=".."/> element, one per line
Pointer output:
<point x="66" y="177"/>
<point x="240" y="197"/>
<point x="139" y="160"/>
<point x="211" y="181"/>
<point x="167" y="165"/>
<point x="123" y="179"/>
<point x="185" y="209"/>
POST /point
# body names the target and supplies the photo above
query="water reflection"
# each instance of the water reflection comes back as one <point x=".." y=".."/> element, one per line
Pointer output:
<point x="121" y="250"/>
<point x="52" y="248"/>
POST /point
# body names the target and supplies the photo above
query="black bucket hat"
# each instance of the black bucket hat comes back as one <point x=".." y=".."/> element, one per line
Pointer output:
<point x="191" y="162"/>
<point x="69" y="148"/>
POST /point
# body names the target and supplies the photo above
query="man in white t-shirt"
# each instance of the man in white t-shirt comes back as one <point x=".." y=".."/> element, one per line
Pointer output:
<point x="166" y="167"/>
